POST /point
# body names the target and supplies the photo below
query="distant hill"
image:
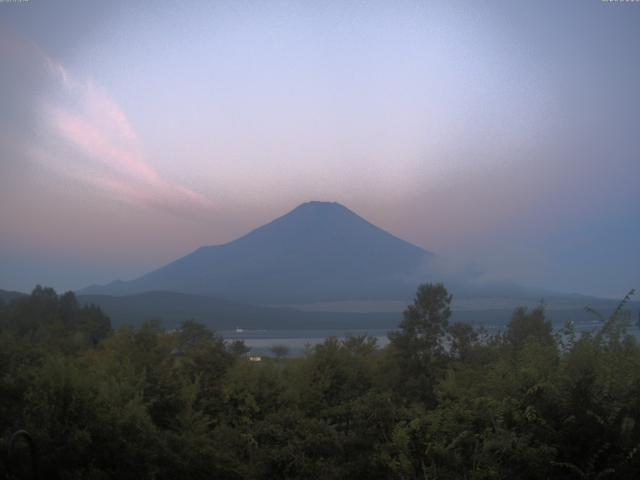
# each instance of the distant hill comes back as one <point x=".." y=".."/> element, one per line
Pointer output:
<point x="172" y="308"/>
<point x="8" y="295"/>
<point x="319" y="251"/>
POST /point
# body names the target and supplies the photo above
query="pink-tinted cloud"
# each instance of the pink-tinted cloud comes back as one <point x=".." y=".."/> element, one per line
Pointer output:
<point x="93" y="142"/>
<point x="90" y="122"/>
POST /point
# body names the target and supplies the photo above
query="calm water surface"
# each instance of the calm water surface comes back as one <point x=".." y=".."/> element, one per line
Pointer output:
<point x="298" y="341"/>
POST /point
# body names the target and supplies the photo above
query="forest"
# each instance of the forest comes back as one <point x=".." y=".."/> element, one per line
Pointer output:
<point x="440" y="401"/>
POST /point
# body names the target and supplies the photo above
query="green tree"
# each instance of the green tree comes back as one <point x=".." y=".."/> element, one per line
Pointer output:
<point x="526" y="326"/>
<point x="417" y="348"/>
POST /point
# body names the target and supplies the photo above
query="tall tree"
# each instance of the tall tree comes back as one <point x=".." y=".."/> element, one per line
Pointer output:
<point x="417" y="348"/>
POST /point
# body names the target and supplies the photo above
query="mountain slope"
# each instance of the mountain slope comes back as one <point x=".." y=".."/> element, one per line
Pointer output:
<point x="317" y="252"/>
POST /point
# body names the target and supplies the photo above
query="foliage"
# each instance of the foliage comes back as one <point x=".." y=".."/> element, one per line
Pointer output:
<point x="440" y="401"/>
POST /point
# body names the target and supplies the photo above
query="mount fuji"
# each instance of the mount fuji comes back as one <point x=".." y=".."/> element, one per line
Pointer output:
<point x="318" y="252"/>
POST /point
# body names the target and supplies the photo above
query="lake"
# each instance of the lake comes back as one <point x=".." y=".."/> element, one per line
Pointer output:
<point x="261" y="341"/>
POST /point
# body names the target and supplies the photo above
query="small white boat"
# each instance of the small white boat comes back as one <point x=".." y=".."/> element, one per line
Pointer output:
<point x="239" y="330"/>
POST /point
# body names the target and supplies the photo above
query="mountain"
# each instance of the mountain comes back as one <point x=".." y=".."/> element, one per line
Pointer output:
<point x="319" y="251"/>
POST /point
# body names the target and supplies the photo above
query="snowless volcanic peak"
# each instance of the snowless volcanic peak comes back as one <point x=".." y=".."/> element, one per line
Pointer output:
<point x="319" y="251"/>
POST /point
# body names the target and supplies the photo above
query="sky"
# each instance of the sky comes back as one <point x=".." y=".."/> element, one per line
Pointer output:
<point x="495" y="133"/>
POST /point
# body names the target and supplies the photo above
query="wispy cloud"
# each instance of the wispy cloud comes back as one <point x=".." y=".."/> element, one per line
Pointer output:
<point x="95" y="126"/>
<point x="85" y="133"/>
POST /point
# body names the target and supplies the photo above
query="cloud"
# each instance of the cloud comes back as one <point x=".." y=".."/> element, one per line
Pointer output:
<point x="83" y="133"/>
<point x="99" y="130"/>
